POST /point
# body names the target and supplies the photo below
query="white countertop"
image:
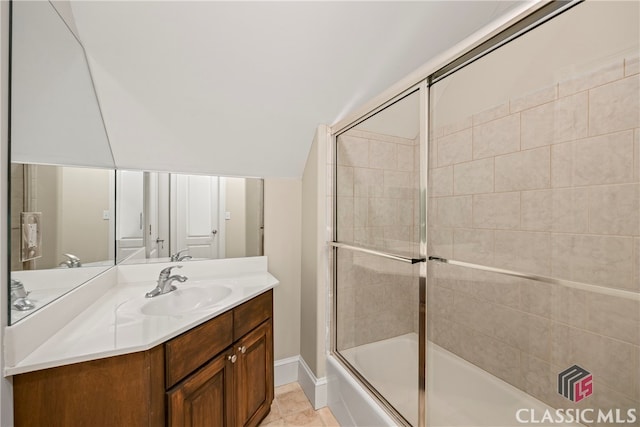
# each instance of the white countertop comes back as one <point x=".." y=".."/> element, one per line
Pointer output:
<point x="113" y="325"/>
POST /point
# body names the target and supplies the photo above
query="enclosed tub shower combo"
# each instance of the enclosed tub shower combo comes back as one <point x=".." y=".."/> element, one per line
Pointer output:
<point x="486" y="247"/>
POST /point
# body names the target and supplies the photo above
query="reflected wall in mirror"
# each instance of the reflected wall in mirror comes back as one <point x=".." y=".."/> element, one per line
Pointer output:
<point x="55" y="119"/>
<point x="61" y="231"/>
<point x="55" y="116"/>
<point x="178" y="217"/>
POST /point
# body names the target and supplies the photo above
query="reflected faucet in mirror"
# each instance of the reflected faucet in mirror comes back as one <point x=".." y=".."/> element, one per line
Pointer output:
<point x="178" y="257"/>
<point x="71" y="262"/>
<point x="19" y="300"/>
<point x="165" y="281"/>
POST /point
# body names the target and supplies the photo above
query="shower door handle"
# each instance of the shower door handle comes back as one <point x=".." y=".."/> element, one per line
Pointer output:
<point x="382" y="254"/>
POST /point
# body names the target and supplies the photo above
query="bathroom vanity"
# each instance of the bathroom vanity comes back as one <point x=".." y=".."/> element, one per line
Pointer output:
<point x="120" y="363"/>
<point x="217" y="374"/>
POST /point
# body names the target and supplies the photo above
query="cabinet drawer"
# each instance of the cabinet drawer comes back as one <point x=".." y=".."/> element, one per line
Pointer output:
<point x="187" y="352"/>
<point x="250" y="314"/>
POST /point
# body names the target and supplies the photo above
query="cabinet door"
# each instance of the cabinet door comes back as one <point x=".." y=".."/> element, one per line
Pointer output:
<point x="254" y="375"/>
<point x="205" y="398"/>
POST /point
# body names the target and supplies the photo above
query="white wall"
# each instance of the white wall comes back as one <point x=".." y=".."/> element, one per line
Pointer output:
<point x="308" y="307"/>
<point x="52" y="87"/>
<point x="63" y="7"/>
<point x="84" y="232"/>
<point x="6" y="393"/>
<point x="287" y="43"/>
<point x="314" y="250"/>
<point x="282" y="215"/>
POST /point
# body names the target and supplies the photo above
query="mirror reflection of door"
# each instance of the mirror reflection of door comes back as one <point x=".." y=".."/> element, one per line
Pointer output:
<point x="206" y="217"/>
<point x="198" y="222"/>
<point x="130" y="223"/>
<point x="155" y="242"/>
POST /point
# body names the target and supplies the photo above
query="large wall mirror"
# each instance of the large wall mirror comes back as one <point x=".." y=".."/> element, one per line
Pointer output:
<point x="71" y="222"/>
<point x="179" y="217"/>
<point x="55" y="119"/>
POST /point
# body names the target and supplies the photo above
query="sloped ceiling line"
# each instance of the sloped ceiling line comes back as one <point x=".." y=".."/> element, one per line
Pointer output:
<point x="238" y="88"/>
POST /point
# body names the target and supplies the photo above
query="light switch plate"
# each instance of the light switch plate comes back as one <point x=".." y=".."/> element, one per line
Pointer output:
<point x="31" y="236"/>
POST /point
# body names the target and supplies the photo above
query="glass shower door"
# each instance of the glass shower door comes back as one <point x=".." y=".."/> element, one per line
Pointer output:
<point x="534" y="216"/>
<point x="377" y="254"/>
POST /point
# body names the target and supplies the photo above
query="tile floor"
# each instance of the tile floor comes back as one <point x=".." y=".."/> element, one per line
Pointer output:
<point x="292" y="408"/>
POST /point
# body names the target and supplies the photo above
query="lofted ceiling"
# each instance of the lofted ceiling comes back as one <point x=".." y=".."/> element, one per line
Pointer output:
<point x="238" y="88"/>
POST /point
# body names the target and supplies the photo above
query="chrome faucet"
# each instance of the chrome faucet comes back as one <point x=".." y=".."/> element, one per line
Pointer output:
<point x="72" y="261"/>
<point x="165" y="281"/>
<point x="178" y="257"/>
<point x="19" y="300"/>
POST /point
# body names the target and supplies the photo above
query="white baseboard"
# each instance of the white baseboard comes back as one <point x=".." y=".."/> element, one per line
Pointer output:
<point x="286" y="370"/>
<point x="294" y="369"/>
<point x="314" y="388"/>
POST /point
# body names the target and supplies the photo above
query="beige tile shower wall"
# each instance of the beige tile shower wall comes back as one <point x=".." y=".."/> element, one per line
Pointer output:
<point x="377" y="193"/>
<point x="526" y="332"/>
<point x="377" y="299"/>
<point x="547" y="183"/>
<point x="377" y="205"/>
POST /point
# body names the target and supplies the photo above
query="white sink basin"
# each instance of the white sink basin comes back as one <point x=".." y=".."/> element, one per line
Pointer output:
<point x="180" y="301"/>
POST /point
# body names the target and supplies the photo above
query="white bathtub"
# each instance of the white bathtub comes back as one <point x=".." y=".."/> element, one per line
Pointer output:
<point x="458" y="392"/>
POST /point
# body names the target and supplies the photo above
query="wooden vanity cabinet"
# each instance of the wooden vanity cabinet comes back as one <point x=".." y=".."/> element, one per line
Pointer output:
<point x="219" y="373"/>
<point x="125" y="390"/>
<point x="254" y="376"/>
<point x="236" y="387"/>
<point x="204" y="398"/>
